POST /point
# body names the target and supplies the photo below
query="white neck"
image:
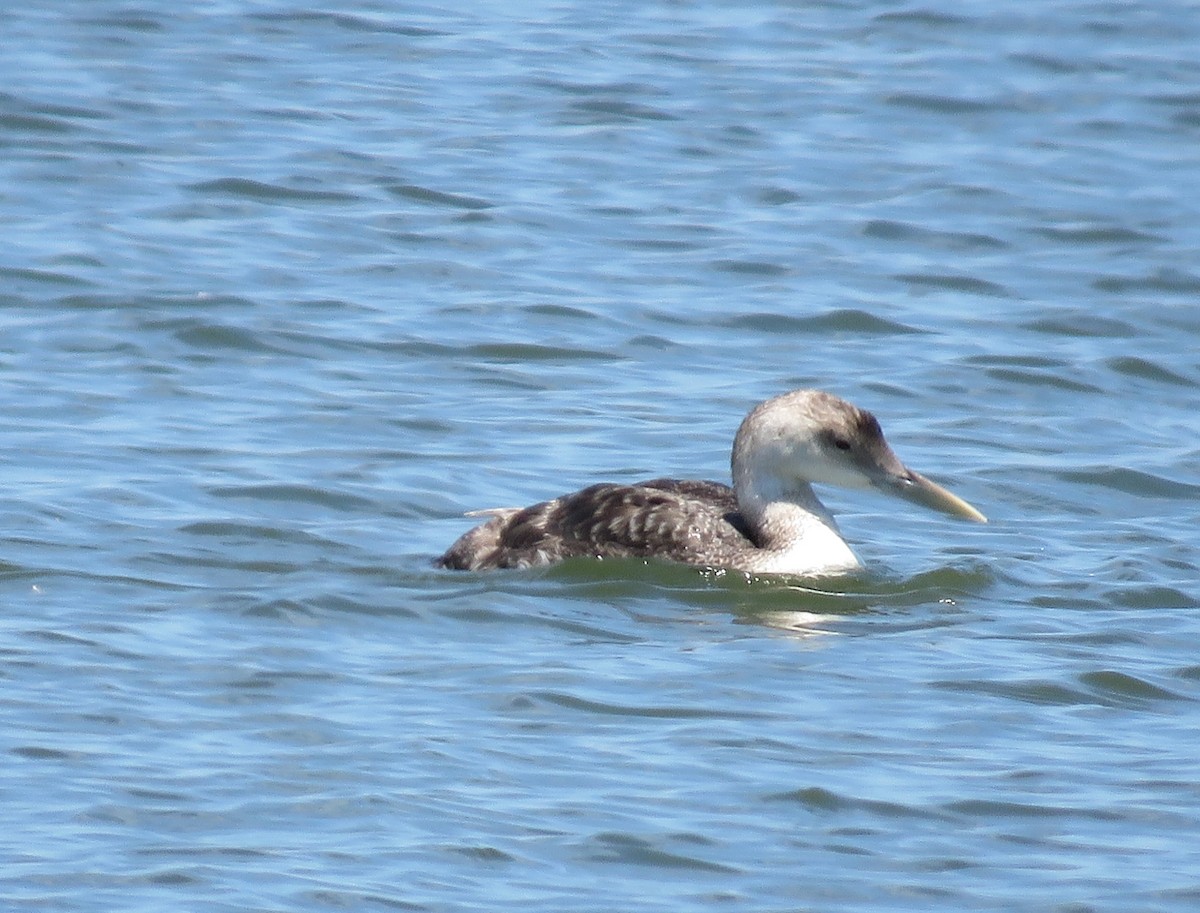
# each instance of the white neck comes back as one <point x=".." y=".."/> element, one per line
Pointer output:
<point x="796" y="533"/>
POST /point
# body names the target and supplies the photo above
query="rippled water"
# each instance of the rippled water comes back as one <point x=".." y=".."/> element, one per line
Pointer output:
<point x="286" y="290"/>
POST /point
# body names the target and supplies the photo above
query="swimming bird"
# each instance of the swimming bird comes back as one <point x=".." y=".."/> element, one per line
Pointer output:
<point x="769" y="522"/>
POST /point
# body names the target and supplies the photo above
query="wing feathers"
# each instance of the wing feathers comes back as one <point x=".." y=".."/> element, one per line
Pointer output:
<point x="673" y="519"/>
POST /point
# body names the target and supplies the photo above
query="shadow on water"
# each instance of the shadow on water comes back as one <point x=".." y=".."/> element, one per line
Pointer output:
<point x="772" y="601"/>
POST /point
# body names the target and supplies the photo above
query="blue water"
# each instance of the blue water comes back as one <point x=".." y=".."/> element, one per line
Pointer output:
<point x="287" y="289"/>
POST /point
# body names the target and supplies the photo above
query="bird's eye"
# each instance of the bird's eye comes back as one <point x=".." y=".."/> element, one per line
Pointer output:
<point x="841" y="443"/>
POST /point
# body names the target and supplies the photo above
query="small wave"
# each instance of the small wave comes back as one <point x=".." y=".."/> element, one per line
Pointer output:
<point x="264" y="192"/>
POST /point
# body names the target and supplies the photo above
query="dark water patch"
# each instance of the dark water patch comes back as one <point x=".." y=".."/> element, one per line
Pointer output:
<point x="653" y="343"/>
<point x="751" y="268"/>
<point x="129" y="21"/>
<point x="1187" y="105"/>
<point x="654" y="711"/>
<point x="71" y="640"/>
<point x="1081" y="323"/>
<point x="1188" y="896"/>
<point x="156" y="306"/>
<point x="943" y="104"/>
<point x="228" y="562"/>
<point x="926" y="18"/>
<point x="1153" y="596"/>
<point x="814" y="798"/>
<point x="1104" y="639"/>
<point x="1025" y="692"/>
<point x="661" y="245"/>
<point x="1041" y="379"/>
<point x="1096" y="234"/>
<point x="845" y="320"/>
<point x="990" y="810"/>
<point x="560" y="312"/>
<point x="295" y="115"/>
<point x="824" y="801"/>
<point x="263" y="192"/>
<point x="87" y="261"/>
<point x="1013" y="360"/>
<point x="482" y="853"/>
<point x="585" y="89"/>
<point x="1132" y="366"/>
<point x="340" y="604"/>
<point x="419" y="425"/>
<point x="295" y="494"/>
<point x="1165" y="281"/>
<point x="212" y="338"/>
<point x="9" y="570"/>
<point x="41" y="753"/>
<point x="313" y="345"/>
<point x="949" y="283"/>
<point x="1051" y="63"/>
<point x="40" y="277"/>
<point x="1187" y="98"/>
<point x="233" y="530"/>
<point x="612" y="111"/>
<point x="630" y="850"/>
<point x="360" y="900"/>
<point x="299" y="728"/>
<point x="890" y="230"/>
<point x="346" y="22"/>
<point x="779" y="196"/>
<point x="285" y="610"/>
<point x="14" y="104"/>
<point x="521" y="352"/>
<point x="166" y="797"/>
<point x="34" y="123"/>
<point x="174" y="878"/>
<point x="438" y="198"/>
<point x="1131" y="481"/>
<point x="111" y="582"/>
<point x="1122" y="687"/>
<point x="618" y="213"/>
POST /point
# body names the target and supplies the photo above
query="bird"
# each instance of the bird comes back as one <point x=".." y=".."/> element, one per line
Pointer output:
<point x="769" y="522"/>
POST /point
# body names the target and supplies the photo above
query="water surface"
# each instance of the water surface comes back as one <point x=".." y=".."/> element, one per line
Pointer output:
<point x="286" y="290"/>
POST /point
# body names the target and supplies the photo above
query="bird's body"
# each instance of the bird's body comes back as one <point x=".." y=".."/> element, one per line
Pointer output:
<point x="770" y="521"/>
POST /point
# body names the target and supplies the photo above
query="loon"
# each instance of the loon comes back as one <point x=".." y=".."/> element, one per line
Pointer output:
<point x="769" y="522"/>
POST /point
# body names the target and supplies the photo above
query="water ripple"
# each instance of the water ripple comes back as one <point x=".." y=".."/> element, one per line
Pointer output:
<point x="438" y="198"/>
<point x="845" y="320"/>
<point x="1133" y="366"/>
<point x="657" y="711"/>
<point x="1131" y="481"/>
<point x="294" y="494"/>
<point x="630" y="850"/>
<point x="1167" y="281"/>
<point x="264" y="192"/>
<point x="967" y="284"/>
<point x="944" y="104"/>
<point x="890" y="230"/>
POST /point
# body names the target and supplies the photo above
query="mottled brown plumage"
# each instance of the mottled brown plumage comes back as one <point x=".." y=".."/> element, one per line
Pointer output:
<point x="662" y="518"/>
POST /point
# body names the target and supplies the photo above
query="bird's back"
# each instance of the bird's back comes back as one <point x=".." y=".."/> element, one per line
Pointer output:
<point x="693" y="522"/>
